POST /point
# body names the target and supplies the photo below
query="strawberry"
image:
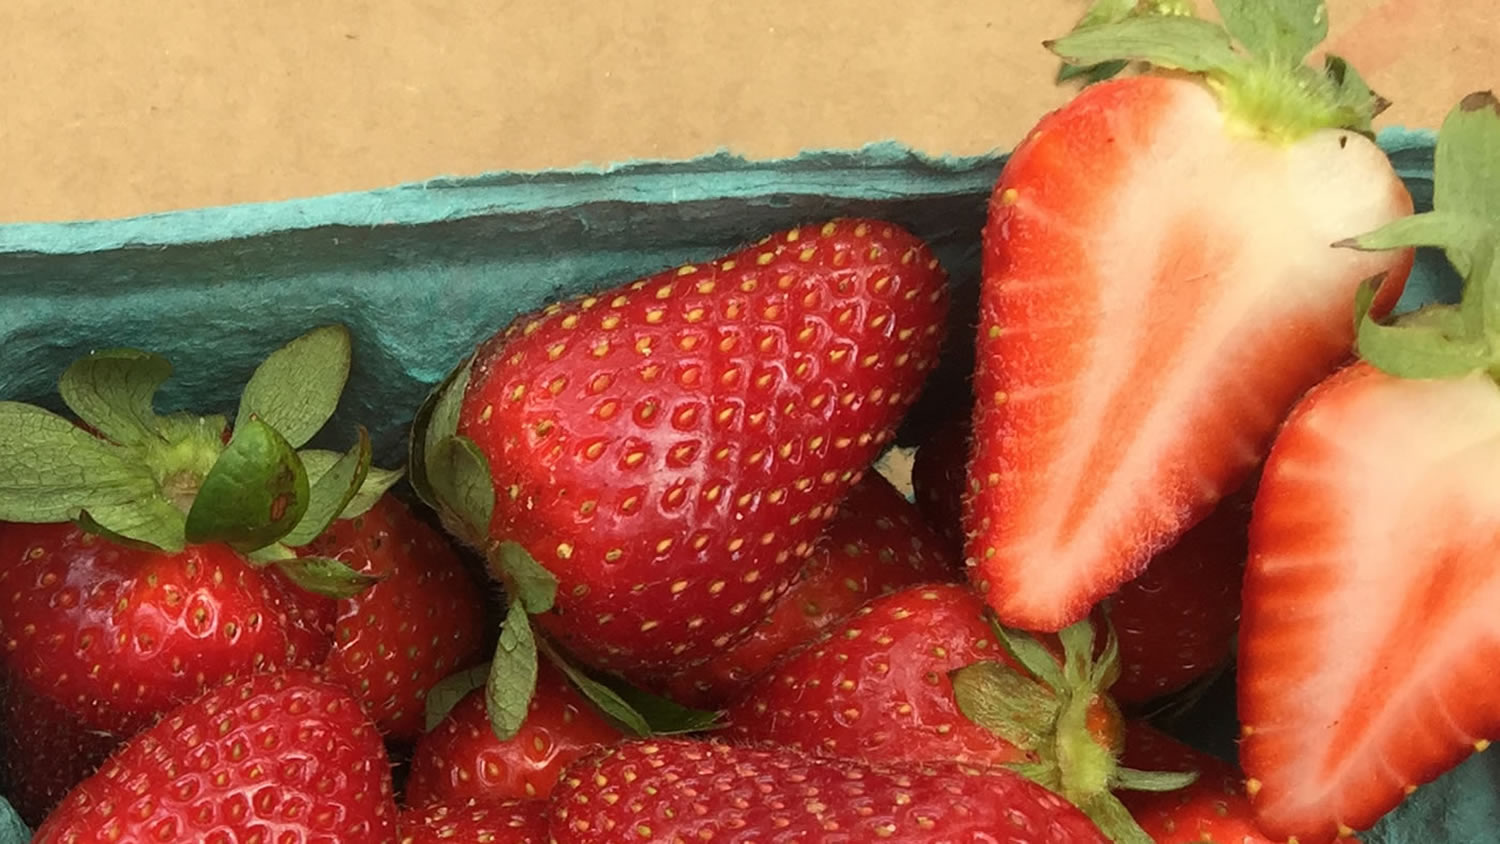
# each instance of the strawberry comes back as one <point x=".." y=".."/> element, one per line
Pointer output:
<point x="938" y="478"/>
<point x="1366" y="650"/>
<point x="145" y="558"/>
<point x="647" y="466"/>
<point x="1158" y="288"/>
<point x="687" y="790"/>
<point x="920" y="676"/>
<point x="261" y="758"/>
<point x="1175" y="621"/>
<point x="876" y="544"/>
<point x="461" y="758"/>
<point x="511" y="822"/>
<point x="424" y="620"/>
<point x="1213" y="808"/>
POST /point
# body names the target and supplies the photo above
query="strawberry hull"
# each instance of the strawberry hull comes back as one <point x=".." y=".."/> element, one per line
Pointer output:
<point x="422" y="274"/>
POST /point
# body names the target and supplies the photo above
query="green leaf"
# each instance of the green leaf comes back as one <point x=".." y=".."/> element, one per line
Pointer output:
<point x="51" y="470"/>
<point x="524" y="577"/>
<point x="1114" y="820"/>
<point x="1032" y="655"/>
<point x="1459" y="235"/>
<point x="1006" y="702"/>
<point x="1353" y="91"/>
<point x="1077" y="641"/>
<point x="663" y="716"/>
<point x="459" y="475"/>
<point x="113" y="391"/>
<point x="297" y="388"/>
<point x="327" y="576"/>
<point x="1437" y="345"/>
<point x="512" y="678"/>
<point x="1131" y="779"/>
<point x="149" y="522"/>
<point x="436" y="420"/>
<point x="1112" y="11"/>
<point x="447" y="692"/>
<point x="377" y="480"/>
<point x="253" y="495"/>
<point x="605" y="699"/>
<point x="1181" y="43"/>
<point x="1282" y="32"/>
<point x="273" y="553"/>
<point x="1466" y="166"/>
<point x="333" y="489"/>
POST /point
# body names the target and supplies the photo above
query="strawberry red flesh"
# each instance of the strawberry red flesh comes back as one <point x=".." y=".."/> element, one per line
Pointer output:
<point x="1369" y="633"/>
<point x="1159" y="288"/>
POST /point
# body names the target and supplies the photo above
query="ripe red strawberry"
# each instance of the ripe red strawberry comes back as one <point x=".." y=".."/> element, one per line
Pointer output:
<point x="460" y="758"/>
<point x="685" y="790"/>
<point x="106" y="638"/>
<point x="255" y="759"/>
<point x="938" y="478"/>
<point x="145" y="558"/>
<point x="1366" y="651"/>
<point x="876" y="544"/>
<point x="512" y="822"/>
<point x="424" y="620"/>
<point x="920" y="676"/>
<point x="1175" y="621"/>
<point x="1213" y="808"/>
<point x="1159" y="286"/>
<point x="670" y="449"/>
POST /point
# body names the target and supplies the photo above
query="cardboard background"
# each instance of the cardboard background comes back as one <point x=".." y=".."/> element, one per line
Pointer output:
<point x="128" y="107"/>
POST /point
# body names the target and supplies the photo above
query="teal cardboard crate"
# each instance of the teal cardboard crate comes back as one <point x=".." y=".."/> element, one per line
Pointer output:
<point x="422" y="272"/>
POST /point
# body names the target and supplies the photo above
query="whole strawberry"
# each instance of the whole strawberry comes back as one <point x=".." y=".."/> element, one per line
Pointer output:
<point x="877" y="543"/>
<point x="147" y="557"/>
<point x="422" y="621"/>
<point x="460" y="822"/>
<point x="649" y="465"/>
<point x="260" y="758"/>
<point x="921" y="676"/>
<point x="686" y="790"/>
<point x="461" y="758"/>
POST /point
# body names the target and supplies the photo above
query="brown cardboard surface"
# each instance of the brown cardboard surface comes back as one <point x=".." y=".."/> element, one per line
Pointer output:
<point x="132" y="106"/>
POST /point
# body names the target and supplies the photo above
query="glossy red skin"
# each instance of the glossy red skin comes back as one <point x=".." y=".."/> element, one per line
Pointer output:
<point x="876" y="687"/>
<point x="877" y="543"/>
<point x="470" y="822"/>
<point x="938" y="476"/>
<point x="670" y="449"/>
<point x="424" y="621"/>
<point x="1046" y="296"/>
<point x="461" y="758"/>
<point x="107" y="638"/>
<point x="1213" y="808"/>
<point x="1177" y="620"/>
<point x="266" y="755"/>
<point x="682" y="789"/>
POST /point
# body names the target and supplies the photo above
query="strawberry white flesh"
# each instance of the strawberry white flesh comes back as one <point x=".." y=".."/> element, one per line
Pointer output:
<point x="1160" y="287"/>
<point x="1370" y="636"/>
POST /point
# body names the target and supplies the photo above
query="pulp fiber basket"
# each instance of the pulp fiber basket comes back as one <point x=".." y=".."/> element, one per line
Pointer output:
<point x="422" y="272"/>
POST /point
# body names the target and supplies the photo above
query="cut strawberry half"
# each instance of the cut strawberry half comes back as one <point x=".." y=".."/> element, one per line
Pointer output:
<point x="1370" y="638"/>
<point x="1159" y="287"/>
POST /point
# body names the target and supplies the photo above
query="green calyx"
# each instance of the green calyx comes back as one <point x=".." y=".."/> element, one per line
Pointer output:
<point x="1443" y="341"/>
<point x="1059" y="712"/>
<point x="1255" y="61"/>
<point x="165" y="481"/>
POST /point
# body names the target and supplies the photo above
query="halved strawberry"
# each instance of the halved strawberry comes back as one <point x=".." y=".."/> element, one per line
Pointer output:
<point x="1369" y="639"/>
<point x="1159" y="286"/>
<point x="876" y="544"/>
